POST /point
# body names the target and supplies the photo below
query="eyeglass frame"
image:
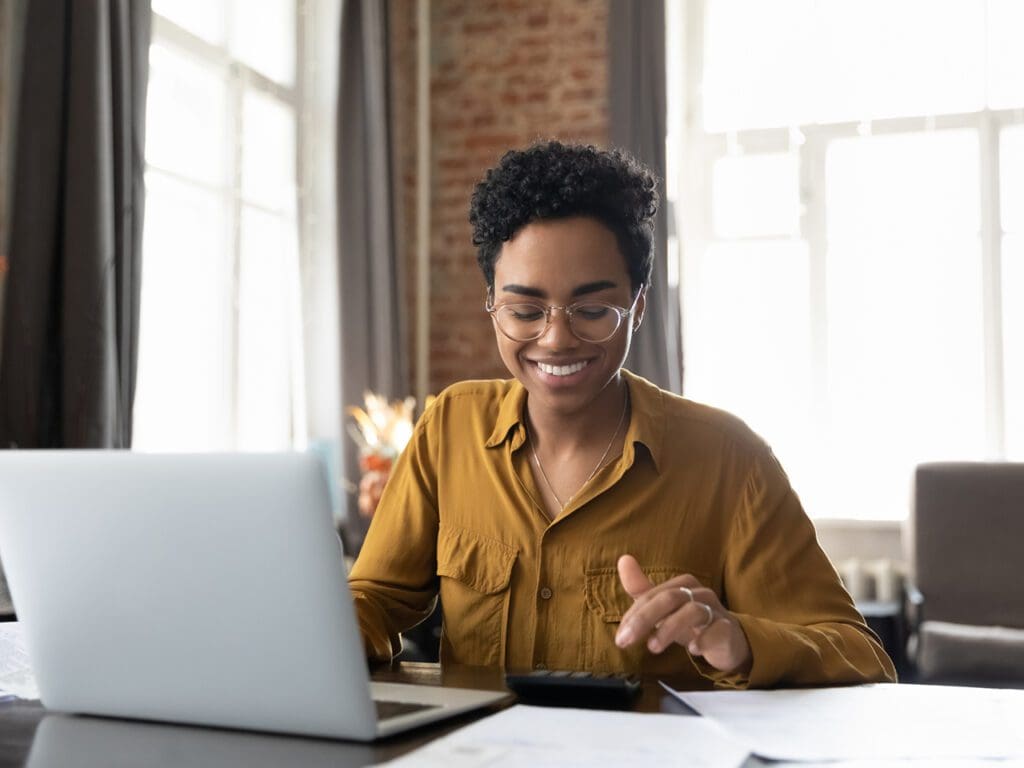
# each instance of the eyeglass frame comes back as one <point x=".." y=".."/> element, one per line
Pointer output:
<point x="567" y="309"/>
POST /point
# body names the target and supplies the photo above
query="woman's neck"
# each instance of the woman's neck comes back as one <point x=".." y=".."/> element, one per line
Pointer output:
<point x="557" y="433"/>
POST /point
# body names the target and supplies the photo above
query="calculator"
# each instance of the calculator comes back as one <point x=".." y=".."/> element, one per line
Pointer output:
<point x="565" y="688"/>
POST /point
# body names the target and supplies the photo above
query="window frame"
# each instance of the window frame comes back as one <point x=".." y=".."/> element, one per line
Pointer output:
<point x="691" y="178"/>
<point x="241" y="78"/>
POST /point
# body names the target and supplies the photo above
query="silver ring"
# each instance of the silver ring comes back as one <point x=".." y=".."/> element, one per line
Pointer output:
<point x="689" y="594"/>
<point x="711" y="616"/>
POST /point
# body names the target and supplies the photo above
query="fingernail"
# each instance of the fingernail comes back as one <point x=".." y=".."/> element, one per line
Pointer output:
<point x="624" y="637"/>
<point x="654" y="645"/>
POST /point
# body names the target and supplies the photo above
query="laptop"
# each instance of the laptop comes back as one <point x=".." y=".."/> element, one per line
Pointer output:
<point x="206" y="589"/>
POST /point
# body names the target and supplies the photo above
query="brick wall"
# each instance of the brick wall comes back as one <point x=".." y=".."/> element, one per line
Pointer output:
<point x="402" y="31"/>
<point x="504" y="73"/>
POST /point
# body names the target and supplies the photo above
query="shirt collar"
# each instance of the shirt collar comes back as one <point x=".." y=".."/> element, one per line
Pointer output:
<point x="646" y="424"/>
<point x="510" y="416"/>
<point x="647" y="418"/>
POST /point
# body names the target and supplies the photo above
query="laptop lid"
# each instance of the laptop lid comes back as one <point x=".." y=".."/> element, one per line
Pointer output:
<point x="192" y="588"/>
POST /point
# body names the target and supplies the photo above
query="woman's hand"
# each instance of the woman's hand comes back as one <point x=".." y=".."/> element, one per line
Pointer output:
<point x="680" y="610"/>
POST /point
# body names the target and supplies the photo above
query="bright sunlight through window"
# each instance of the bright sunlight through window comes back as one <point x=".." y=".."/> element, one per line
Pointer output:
<point x="849" y="182"/>
<point x="220" y="340"/>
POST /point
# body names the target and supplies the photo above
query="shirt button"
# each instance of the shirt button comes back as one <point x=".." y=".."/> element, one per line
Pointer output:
<point x="540" y="665"/>
<point x="546" y="593"/>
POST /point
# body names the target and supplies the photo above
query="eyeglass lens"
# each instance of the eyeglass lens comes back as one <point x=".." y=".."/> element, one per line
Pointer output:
<point x="589" y="322"/>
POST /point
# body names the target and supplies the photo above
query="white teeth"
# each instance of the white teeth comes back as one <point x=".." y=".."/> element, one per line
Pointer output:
<point x="562" y="370"/>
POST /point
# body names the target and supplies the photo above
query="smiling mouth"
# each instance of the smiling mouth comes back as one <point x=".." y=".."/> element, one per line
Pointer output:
<point x="563" y="370"/>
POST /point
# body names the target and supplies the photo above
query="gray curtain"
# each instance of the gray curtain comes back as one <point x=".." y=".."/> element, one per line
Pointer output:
<point x="637" y="115"/>
<point x="373" y="348"/>
<point x="70" y="345"/>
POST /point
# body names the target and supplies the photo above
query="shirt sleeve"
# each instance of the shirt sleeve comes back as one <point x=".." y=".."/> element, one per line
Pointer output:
<point x="802" y="625"/>
<point x="394" y="579"/>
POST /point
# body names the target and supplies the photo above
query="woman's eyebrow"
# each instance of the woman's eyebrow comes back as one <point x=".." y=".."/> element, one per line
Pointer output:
<point x="594" y="287"/>
<point x="524" y="290"/>
<point x="580" y="290"/>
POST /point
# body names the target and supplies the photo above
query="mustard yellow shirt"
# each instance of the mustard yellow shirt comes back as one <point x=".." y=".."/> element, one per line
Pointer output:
<point x="694" y="491"/>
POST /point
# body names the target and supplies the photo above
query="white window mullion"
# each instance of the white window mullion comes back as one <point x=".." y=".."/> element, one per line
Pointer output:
<point x="991" y="272"/>
<point x="813" y="229"/>
<point x="236" y="94"/>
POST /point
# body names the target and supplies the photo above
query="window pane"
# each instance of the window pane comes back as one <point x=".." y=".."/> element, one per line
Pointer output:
<point x="203" y="18"/>
<point x="263" y="36"/>
<point x="903" y="185"/>
<point x="1011" y="178"/>
<point x="185" y="117"/>
<point x="885" y="58"/>
<point x="1005" y="54"/>
<point x="755" y="63"/>
<point x="905" y="322"/>
<point x="268" y="152"/>
<point x="183" y="395"/>
<point x="794" y="62"/>
<point x="906" y="366"/>
<point x="747" y="345"/>
<point x="1013" y="344"/>
<point x="1011" y="174"/>
<point x="265" y="322"/>
<point x="756" y="195"/>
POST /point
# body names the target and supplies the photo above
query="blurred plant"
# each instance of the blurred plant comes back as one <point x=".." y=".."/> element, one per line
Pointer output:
<point x="381" y="431"/>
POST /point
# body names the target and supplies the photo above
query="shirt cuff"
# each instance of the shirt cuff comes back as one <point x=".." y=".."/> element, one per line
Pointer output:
<point x="379" y="646"/>
<point x="769" y="658"/>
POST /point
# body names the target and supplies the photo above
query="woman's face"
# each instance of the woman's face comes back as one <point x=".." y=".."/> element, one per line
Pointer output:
<point x="562" y="262"/>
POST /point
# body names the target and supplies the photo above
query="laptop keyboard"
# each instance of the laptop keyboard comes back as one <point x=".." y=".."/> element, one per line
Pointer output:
<point x="388" y="709"/>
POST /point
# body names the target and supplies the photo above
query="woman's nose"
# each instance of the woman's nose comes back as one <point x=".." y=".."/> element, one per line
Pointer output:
<point x="558" y="334"/>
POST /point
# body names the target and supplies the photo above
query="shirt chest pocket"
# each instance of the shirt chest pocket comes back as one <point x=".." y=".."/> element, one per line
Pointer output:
<point x="475" y="573"/>
<point x="607" y="603"/>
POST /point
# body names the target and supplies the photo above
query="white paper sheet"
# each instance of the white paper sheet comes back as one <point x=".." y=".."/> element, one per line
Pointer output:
<point x="953" y="762"/>
<point x="16" y="678"/>
<point x="870" y="722"/>
<point x="543" y="737"/>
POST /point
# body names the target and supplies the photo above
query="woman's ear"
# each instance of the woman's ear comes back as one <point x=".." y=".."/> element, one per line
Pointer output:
<point x="638" y="313"/>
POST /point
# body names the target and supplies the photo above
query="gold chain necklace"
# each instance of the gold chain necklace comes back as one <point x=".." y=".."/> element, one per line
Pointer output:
<point x="600" y="462"/>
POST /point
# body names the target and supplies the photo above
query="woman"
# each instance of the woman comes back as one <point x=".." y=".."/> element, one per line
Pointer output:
<point x="576" y="516"/>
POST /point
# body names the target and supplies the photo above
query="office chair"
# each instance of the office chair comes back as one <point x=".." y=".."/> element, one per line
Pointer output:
<point x="967" y="533"/>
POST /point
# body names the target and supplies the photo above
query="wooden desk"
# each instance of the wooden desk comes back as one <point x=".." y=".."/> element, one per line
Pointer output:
<point x="88" y="741"/>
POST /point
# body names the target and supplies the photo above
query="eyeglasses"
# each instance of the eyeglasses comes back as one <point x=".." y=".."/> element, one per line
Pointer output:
<point x="591" y="321"/>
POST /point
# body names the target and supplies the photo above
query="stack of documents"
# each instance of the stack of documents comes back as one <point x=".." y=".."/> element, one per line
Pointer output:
<point x="544" y="737"/>
<point x="866" y="725"/>
<point x="871" y="722"/>
<point x="16" y="678"/>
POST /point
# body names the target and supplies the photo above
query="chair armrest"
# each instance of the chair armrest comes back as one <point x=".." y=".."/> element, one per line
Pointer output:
<point x="913" y="606"/>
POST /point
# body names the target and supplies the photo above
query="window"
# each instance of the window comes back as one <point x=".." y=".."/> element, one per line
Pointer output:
<point x="220" y="349"/>
<point x="849" y="177"/>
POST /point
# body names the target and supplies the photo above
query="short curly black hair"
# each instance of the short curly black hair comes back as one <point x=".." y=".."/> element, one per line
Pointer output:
<point x="551" y="180"/>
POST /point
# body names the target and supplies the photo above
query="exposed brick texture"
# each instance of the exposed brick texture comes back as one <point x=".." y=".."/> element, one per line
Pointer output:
<point x="504" y="73"/>
<point x="402" y="31"/>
